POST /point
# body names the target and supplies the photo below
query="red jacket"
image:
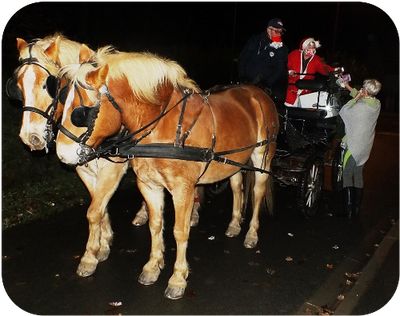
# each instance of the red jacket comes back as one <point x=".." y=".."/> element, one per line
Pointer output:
<point x="315" y="65"/>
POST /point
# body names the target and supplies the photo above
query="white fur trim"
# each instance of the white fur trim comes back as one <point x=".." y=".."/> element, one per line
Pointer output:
<point x="308" y="41"/>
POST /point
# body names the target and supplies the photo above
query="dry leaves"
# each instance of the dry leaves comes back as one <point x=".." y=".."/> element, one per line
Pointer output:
<point x="329" y="266"/>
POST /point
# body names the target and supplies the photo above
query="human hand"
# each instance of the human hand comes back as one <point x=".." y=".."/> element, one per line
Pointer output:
<point x="360" y="94"/>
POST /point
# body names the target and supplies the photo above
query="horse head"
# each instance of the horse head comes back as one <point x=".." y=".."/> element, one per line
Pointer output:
<point x="36" y="84"/>
<point x="86" y="111"/>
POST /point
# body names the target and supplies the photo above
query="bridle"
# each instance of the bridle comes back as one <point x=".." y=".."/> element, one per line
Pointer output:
<point x="89" y="115"/>
<point x="52" y="88"/>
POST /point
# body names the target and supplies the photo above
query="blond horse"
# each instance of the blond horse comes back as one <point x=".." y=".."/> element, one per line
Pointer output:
<point x="41" y="59"/>
<point x="146" y="94"/>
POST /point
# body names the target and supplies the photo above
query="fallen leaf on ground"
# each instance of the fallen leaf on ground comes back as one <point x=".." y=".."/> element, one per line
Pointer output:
<point x="270" y="271"/>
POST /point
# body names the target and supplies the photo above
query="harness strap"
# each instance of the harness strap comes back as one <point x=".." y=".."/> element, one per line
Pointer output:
<point x="189" y="153"/>
<point x="189" y="130"/>
<point x="236" y="150"/>
<point x="110" y="98"/>
<point x="45" y="114"/>
<point x="178" y="142"/>
<point x="67" y="133"/>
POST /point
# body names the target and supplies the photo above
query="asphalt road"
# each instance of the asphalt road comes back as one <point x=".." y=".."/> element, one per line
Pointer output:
<point x="293" y="263"/>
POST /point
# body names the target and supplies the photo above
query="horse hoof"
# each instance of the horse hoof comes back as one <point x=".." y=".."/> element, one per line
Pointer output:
<point x="139" y="220"/>
<point x="174" y="293"/>
<point x="250" y="242"/>
<point x="232" y="231"/>
<point x="147" y="278"/>
<point x="86" y="269"/>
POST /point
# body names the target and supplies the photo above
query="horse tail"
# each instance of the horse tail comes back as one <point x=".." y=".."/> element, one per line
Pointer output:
<point x="269" y="196"/>
<point x="248" y="194"/>
<point x="267" y="203"/>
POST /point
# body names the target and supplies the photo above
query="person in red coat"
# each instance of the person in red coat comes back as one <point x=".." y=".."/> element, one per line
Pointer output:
<point x="303" y="63"/>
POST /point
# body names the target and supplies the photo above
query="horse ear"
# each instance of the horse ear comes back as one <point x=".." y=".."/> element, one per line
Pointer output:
<point x="97" y="77"/>
<point x="52" y="50"/>
<point x="21" y="44"/>
<point x="85" y="54"/>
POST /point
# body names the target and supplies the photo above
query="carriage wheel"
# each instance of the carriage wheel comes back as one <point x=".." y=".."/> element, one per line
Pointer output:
<point x="337" y="169"/>
<point x="310" y="188"/>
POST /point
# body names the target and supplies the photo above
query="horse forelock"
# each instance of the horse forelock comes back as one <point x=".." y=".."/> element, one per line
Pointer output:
<point x="68" y="52"/>
<point x="145" y="72"/>
<point x="76" y="73"/>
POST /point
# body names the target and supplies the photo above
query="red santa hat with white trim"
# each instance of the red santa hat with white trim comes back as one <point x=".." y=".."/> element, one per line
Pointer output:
<point x="304" y="43"/>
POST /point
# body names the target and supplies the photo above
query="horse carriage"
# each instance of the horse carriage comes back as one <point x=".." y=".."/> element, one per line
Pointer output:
<point x="309" y="155"/>
<point x="173" y="135"/>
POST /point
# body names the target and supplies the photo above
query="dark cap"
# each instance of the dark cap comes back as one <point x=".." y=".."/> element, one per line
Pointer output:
<point x="276" y="23"/>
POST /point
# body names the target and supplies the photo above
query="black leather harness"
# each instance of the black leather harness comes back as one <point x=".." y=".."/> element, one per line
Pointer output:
<point x="125" y="145"/>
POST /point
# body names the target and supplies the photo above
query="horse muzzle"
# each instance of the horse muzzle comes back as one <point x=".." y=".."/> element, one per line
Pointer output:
<point x="34" y="141"/>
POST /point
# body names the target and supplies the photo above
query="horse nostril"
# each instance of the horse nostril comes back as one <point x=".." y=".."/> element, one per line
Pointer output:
<point x="34" y="140"/>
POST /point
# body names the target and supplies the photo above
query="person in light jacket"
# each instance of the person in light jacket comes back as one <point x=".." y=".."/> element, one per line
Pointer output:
<point x="359" y="115"/>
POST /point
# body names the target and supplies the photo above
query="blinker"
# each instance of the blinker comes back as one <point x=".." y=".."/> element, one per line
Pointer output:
<point x="52" y="86"/>
<point x="80" y="116"/>
<point x="12" y="90"/>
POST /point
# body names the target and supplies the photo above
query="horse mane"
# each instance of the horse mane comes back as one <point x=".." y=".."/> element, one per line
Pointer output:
<point x="68" y="51"/>
<point x="145" y="71"/>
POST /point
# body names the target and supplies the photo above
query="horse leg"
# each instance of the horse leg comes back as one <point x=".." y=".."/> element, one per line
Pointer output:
<point x="260" y="189"/>
<point x="141" y="217"/>
<point x="236" y="182"/>
<point x="183" y="198"/>
<point x="198" y="195"/>
<point x="154" y="197"/>
<point x="101" y="182"/>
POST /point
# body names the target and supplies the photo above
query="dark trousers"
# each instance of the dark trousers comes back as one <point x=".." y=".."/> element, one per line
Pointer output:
<point x="353" y="174"/>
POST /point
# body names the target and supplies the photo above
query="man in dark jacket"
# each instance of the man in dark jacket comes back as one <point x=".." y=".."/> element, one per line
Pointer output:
<point x="263" y="61"/>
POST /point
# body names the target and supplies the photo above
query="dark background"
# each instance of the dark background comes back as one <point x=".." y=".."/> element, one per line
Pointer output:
<point x="206" y="38"/>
